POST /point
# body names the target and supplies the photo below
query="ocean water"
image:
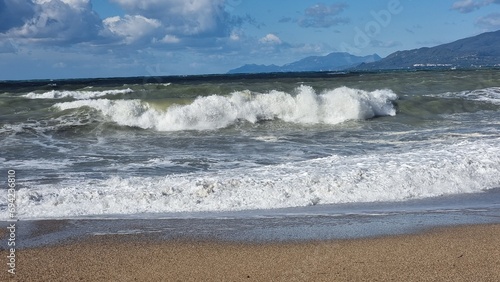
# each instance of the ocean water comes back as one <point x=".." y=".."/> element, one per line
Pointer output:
<point x="173" y="145"/>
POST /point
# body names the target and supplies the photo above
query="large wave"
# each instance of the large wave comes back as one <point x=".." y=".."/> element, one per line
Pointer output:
<point x="215" y="111"/>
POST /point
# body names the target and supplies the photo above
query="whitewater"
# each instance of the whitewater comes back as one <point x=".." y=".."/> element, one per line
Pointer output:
<point x="212" y="144"/>
<point x="215" y="111"/>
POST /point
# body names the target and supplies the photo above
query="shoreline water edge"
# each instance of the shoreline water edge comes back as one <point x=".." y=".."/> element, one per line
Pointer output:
<point x="461" y="253"/>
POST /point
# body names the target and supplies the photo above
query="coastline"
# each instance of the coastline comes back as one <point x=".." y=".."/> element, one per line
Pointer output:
<point x="459" y="253"/>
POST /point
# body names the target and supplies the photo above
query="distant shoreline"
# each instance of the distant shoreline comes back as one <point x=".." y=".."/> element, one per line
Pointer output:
<point x="54" y="83"/>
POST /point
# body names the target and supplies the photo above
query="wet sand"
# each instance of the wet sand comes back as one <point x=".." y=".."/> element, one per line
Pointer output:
<point x="465" y="253"/>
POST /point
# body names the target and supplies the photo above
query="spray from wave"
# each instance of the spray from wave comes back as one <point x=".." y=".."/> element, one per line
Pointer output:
<point x="214" y="112"/>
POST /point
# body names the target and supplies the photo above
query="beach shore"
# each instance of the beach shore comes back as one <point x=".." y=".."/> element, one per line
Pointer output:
<point x="464" y="253"/>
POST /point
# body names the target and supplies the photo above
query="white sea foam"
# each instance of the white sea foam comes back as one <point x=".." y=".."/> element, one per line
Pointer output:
<point x="270" y="139"/>
<point x="38" y="164"/>
<point x="213" y="112"/>
<point x="440" y="169"/>
<point x="490" y="95"/>
<point x="40" y="126"/>
<point x="79" y="95"/>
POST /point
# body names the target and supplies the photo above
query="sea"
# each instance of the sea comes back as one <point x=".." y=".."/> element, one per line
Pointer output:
<point x="211" y="145"/>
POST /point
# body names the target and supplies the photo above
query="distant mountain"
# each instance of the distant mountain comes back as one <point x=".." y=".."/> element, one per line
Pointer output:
<point x="330" y="62"/>
<point x="253" y="68"/>
<point x="478" y="51"/>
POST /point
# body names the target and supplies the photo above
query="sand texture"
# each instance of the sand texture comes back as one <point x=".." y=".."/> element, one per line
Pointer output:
<point x="467" y="253"/>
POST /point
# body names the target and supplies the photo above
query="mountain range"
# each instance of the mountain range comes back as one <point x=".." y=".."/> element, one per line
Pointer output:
<point x="331" y="62"/>
<point x="472" y="52"/>
<point x="482" y="50"/>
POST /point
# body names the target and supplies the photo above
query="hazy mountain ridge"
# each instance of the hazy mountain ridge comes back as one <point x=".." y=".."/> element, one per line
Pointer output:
<point x="478" y="51"/>
<point x="332" y="62"/>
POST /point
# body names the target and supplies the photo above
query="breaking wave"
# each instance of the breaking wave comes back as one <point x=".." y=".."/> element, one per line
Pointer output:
<point x="216" y="111"/>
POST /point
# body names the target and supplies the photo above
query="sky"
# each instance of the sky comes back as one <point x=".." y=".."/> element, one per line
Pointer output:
<point x="54" y="39"/>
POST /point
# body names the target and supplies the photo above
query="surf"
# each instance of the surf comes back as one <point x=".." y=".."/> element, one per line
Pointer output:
<point x="79" y="95"/>
<point x="304" y="106"/>
<point x="432" y="171"/>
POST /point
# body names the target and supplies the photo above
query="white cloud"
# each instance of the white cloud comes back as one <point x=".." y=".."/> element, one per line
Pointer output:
<point x="54" y="21"/>
<point x="181" y="17"/>
<point x="47" y="35"/>
<point x="66" y="22"/>
<point x="131" y="28"/>
<point x="170" y="39"/>
<point x="467" y="6"/>
<point x="271" y="39"/>
<point x="80" y="4"/>
<point x="489" y="22"/>
<point x="235" y="36"/>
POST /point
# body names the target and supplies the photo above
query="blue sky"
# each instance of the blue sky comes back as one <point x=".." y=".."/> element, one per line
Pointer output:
<point x="42" y="39"/>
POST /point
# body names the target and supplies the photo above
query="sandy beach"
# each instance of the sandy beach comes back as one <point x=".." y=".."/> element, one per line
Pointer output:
<point x="465" y="253"/>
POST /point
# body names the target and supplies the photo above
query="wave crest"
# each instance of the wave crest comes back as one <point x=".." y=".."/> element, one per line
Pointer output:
<point x="79" y="95"/>
<point x="215" y="111"/>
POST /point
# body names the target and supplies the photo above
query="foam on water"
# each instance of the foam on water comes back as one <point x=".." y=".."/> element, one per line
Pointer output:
<point x="39" y="164"/>
<point x="79" y="95"/>
<point x="489" y="95"/>
<point x="76" y="118"/>
<point x="213" y="112"/>
<point x="439" y="169"/>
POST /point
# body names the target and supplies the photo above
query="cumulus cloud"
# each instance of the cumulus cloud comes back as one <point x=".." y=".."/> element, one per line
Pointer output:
<point x="131" y="28"/>
<point x="54" y="21"/>
<point x="236" y="35"/>
<point x="323" y="16"/>
<point x="181" y="17"/>
<point x="67" y="22"/>
<point x="146" y="31"/>
<point x="170" y="39"/>
<point x="271" y="39"/>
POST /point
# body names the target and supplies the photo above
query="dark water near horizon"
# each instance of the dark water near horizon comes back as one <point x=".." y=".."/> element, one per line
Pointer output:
<point x="129" y="146"/>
